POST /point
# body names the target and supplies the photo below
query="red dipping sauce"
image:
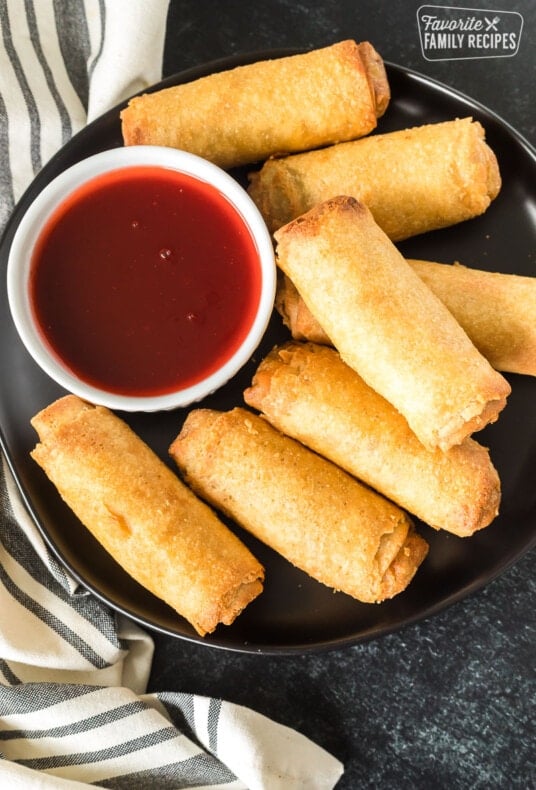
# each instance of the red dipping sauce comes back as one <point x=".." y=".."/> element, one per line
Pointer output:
<point x="145" y="280"/>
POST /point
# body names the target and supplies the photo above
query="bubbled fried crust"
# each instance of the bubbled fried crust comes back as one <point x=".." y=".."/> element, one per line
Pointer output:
<point x="307" y="391"/>
<point x="413" y="180"/>
<point x="143" y="515"/>
<point x="290" y="498"/>
<point x="267" y="108"/>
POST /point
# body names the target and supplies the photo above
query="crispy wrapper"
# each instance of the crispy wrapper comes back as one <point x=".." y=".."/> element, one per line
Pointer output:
<point x="309" y="393"/>
<point x="296" y="316"/>
<point x="497" y="311"/>
<point x="277" y="106"/>
<point x="413" y="180"/>
<point x="306" y="508"/>
<point x="143" y="515"/>
<point x="388" y="325"/>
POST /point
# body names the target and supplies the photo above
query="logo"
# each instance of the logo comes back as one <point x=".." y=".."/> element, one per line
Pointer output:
<point x="450" y="33"/>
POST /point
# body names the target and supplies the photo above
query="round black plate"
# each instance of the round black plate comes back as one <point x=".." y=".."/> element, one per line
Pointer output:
<point x="294" y="613"/>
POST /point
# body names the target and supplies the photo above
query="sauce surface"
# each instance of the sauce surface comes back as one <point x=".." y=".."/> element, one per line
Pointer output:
<point x="145" y="280"/>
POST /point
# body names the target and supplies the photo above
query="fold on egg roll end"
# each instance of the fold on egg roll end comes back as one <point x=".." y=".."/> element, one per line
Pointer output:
<point x="377" y="76"/>
<point x="404" y="565"/>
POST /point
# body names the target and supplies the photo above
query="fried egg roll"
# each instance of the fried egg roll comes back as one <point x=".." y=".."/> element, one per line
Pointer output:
<point x="413" y="180"/>
<point x="497" y="311"/>
<point x="143" y="515"/>
<point x="388" y="325"/>
<point x="295" y="314"/>
<point x="277" y="106"/>
<point x="309" y="510"/>
<point x="309" y="393"/>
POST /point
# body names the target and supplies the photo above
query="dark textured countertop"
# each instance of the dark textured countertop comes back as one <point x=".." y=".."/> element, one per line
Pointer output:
<point x="448" y="702"/>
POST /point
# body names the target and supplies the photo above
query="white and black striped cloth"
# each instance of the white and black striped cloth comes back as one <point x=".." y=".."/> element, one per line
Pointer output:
<point x="73" y="675"/>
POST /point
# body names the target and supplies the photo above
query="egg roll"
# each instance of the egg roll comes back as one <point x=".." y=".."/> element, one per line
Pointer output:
<point x="143" y="515"/>
<point x="306" y="391"/>
<point x="277" y="106"/>
<point x="307" y="509"/>
<point x="412" y="180"/>
<point x="388" y="325"/>
<point x="497" y="311"/>
<point x="295" y="314"/>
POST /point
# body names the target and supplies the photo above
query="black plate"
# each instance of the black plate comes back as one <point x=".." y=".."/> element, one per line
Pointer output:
<point x="296" y="614"/>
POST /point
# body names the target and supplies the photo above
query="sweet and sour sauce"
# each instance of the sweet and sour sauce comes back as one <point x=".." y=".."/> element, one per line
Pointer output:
<point x="145" y="280"/>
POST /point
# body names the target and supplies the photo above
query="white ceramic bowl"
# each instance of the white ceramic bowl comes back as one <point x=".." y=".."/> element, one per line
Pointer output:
<point x="33" y="222"/>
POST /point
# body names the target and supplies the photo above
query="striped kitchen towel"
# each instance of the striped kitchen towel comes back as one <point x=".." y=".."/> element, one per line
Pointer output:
<point x="74" y="710"/>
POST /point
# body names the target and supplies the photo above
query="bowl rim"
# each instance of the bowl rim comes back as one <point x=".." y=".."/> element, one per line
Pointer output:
<point x="34" y="220"/>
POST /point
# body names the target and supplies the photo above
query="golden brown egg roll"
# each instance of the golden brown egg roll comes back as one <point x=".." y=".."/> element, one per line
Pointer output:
<point x="277" y="106"/>
<point x="309" y="510"/>
<point x="413" y="180"/>
<point x="143" y="515"/>
<point x="296" y="316"/>
<point x="497" y="311"/>
<point x="309" y="393"/>
<point x="388" y="325"/>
